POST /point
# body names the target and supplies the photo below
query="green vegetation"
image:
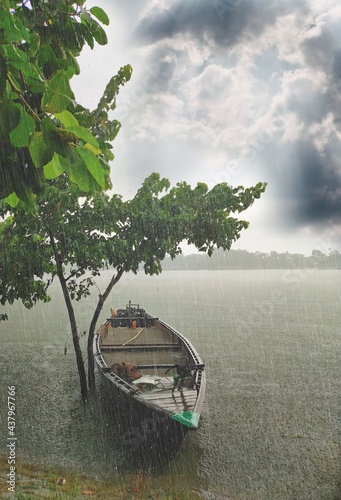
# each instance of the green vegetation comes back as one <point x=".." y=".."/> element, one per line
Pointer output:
<point x="242" y="259"/>
<point x="57" y="220"/>
<point x="73" y="237"/>
<point x="35" y="482"/>
<point x="44" y="132"/>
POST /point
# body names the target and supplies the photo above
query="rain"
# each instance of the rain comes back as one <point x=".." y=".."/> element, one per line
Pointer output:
<point x="264" y="316"/>
<point x="269" y="426"/>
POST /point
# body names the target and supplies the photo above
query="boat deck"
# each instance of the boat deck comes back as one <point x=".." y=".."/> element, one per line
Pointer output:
<point x="124" y="336"/>
<point x="176" y="401"/>
<point x="154" y="351"/>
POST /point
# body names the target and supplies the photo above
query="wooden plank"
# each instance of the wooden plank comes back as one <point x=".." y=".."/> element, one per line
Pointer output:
<point x="120" y="336"/>
<point x="168" y="389"/>
<point x="159" y="365"/>
<point x="170" y="404"/>
<point x="166" y="402"/>
<point x="158" y="398"/>
<point x="169" y="396"/>
<point x="167" y="393"/>
<point x="140" y="347"/>
<point x="176" y="408"/>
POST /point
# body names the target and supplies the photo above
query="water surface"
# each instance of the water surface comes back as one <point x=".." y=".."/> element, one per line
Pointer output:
<point x="271" y="344"/>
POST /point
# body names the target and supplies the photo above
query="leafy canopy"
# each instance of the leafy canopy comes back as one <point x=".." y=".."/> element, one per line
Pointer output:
<point x="54" y="159"/>
<point x="44" y="132"/>
<point x="98" y="231"/>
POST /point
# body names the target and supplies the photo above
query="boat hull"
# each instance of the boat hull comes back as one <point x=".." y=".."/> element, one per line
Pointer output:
<point x="147" y="438"/>
<point x="162" y="399"/>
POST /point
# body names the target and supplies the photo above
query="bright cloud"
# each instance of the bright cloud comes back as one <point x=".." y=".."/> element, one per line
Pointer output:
<point x="236" y="91"/>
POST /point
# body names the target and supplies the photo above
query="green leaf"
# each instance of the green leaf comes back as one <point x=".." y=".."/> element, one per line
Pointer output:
<point x="54" y="139"/>
<point x="25" y="33"/>
<point x="67" y="119"/>
<point x="40" y="152"/>
<point x="95" y="150"/>
<point x="110" y="130"/>
<point x="93" y="165"/>
<point x="58" y="95"/>
<point x="88" y="37"/>
<point x="24" y="192"/>
<point x="67" y="136"/>
<point x="126" y="71"/>
<point x="77" y="171"/>
<point x="84" y="134"/>
<point x="54" y="168"/>
<point x="100" y="14"/>
<point x="73" y="166"/>
<point x="34" y="43"/>
<point x="9" y="116"/>
<point x="46" y="56"/>
<point x="12" y="33"/>
<point x="12" y="200"/>
<point x="16" y="57"/>
<point x="83" y="116"/>
<point x="20" y="136"/>
<point x="98" y="32"/>
<point x="73" y="68"/>
<point x="35" y="82"/>
<point x="6" y="4"/>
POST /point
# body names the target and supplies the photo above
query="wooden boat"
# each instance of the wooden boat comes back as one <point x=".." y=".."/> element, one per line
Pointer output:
<point x="152" y="365"/>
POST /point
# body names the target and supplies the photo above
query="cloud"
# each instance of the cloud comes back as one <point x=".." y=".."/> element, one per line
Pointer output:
<point x="320" y="185"/>
<point x="221" y="96"/>
<point x="222" y="22"/>
<point x="240" y="91"/>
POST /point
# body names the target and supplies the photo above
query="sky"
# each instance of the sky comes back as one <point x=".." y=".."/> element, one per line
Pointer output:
<point x="236" y="91"/>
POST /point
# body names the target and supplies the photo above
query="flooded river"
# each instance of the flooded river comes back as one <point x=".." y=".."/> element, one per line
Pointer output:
<point x="270" y="340"/>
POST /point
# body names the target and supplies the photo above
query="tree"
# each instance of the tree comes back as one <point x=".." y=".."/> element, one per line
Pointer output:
<point x="54" y="170"/>
<point x="334" y="260"/>
<point x="74" y="237"/>
<point x="43" y="131"/>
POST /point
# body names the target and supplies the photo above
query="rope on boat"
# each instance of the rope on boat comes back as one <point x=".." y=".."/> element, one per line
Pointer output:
<point x="130" y="340"/>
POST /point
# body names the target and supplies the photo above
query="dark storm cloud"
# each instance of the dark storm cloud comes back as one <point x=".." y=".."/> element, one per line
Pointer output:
<point x="310" y="106"/>
<point x="307" y="184"/>
<point x="319" y="193"/>
<point x="225" y="22"/>
<point x="233" y="70"/>
<point x="336" y="67"/>
<point x="322" y="53"/>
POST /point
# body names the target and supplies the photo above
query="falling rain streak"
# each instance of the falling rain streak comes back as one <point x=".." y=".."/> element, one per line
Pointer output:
<point x="270" y="426"/>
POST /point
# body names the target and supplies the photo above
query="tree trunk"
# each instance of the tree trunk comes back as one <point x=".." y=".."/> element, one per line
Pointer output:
<point x="72" y="318"/>
<point x="101" y="299"/>
<point x="75" y="338"/>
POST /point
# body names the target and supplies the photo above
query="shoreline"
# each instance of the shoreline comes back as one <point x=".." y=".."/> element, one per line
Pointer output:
<point x="34" y="481"/>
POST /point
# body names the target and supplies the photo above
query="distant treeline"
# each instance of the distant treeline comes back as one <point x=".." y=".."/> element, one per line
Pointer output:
<point x="242" y="259"/>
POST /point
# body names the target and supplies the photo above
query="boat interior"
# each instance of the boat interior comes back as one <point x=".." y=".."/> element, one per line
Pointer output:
<point x="152" y="350"/>
<point x="151" y="357"/>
